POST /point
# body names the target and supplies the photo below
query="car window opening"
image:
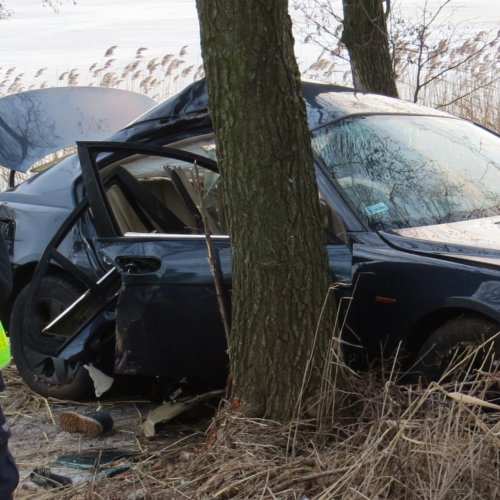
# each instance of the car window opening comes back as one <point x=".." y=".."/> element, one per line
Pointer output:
<point x="155" y="194"/>
<point x="205" y="145"/>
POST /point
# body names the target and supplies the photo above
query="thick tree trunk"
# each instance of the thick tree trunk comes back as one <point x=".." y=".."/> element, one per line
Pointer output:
<point x="280" y="271"/>
<point x="365" y="36"/>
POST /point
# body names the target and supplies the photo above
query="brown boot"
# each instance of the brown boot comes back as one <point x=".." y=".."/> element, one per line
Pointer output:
<point x="91" y="425"/>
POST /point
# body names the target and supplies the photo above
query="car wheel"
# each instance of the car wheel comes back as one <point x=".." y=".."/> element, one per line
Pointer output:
<point x="440" y="355"/>
<point x="35" y="353"/>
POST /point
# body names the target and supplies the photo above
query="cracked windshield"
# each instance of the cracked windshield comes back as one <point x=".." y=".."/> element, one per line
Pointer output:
<point x="408" y="171"/>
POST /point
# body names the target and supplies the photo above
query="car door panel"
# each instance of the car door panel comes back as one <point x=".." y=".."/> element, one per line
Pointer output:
<point x="167" y="321"/>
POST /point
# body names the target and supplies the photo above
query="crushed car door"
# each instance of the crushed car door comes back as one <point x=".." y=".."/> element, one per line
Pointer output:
<point x="152" y="207"/>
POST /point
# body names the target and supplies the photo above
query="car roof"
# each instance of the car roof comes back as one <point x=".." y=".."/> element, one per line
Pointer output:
<point x="325" y="105"/>
<point x="324" y="102"/>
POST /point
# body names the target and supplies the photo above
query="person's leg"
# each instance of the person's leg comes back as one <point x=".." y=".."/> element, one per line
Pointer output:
<point x="9" y="476"/>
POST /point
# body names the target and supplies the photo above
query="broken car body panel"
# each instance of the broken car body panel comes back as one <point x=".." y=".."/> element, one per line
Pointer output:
<point x="38" y="122"/>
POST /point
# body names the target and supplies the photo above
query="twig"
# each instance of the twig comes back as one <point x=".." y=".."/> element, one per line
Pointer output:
<point x="213" y="261"/>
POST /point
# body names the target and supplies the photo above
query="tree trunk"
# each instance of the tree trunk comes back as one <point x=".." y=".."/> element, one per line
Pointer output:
<point x="280" y="270"/>
<point x="365" y="36"/>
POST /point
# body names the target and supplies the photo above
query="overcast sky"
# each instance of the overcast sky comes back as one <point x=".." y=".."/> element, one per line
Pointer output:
<point x="36" y="37"/>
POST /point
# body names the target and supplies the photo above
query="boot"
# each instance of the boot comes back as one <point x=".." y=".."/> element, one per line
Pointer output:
<point x="91" y="425"/>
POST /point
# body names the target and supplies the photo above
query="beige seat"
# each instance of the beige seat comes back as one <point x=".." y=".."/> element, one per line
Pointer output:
<point x="137" y="209"/>
<point x="125" y="215"/>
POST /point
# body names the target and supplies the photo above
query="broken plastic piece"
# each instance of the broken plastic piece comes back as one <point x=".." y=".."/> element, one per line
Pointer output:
<point x="113" y="471"/>
<point x="102" y="382"/>
<point x="168" y="411"/>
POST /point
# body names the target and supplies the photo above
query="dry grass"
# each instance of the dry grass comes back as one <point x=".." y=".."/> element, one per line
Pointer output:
<point x="389" y="441"/>
<point x="393" y="442"/>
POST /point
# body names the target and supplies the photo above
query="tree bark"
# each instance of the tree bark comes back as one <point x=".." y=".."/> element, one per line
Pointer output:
<point x="365" y="36"/>
<point x="280" y="268"/>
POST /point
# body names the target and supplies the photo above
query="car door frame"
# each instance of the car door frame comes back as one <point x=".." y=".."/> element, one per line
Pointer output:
<point x="100" y="295"/>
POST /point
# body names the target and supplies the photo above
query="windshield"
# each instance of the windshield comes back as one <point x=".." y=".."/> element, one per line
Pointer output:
<point x="400" y="171"/>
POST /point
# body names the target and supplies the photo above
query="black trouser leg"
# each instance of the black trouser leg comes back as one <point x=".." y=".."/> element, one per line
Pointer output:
<point x="9" y="476"/>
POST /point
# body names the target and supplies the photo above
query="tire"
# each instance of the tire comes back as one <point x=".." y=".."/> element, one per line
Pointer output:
<point x="451" y="342"/>
<point x="34" y="352"/>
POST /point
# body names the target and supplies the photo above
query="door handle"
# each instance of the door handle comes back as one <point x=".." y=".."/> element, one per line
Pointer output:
<point x="133" y="264"/>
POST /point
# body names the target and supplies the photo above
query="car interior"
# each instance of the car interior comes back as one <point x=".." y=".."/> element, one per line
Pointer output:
<point x="152" y="194"/>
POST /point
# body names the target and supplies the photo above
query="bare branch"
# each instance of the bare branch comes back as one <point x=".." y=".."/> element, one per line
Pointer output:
<point x="213" y="260"/>
<point x="467" y="94"/>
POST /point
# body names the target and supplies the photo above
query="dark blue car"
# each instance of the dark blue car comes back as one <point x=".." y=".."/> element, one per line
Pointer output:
<point x="110" y="257"/>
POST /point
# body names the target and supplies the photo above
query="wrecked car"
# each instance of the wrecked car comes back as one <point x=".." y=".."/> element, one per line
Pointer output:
<point x="111" y="270"/>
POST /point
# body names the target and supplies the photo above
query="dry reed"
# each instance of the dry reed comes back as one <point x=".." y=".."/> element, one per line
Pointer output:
<point x="158" y="78"/>
<point x="388" y="441"/>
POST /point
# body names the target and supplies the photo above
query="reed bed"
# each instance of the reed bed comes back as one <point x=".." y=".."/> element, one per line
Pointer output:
<point x="156" y="77"/>
<point x="471" y="91"/>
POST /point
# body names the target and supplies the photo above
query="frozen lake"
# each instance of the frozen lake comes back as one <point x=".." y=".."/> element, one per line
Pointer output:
<point x="78" y="36"/>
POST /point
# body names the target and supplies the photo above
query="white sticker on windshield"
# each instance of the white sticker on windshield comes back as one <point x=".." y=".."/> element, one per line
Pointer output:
<point x="378" y="208"/>
<point x="345" y="182"/>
